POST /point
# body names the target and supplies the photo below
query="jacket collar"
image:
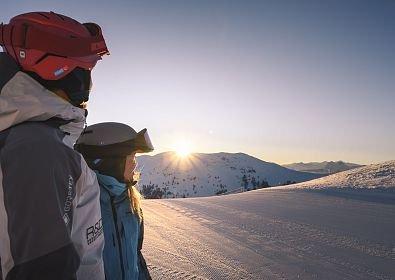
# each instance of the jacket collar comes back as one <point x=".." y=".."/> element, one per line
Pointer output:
<point x="23" y="99"/>
<point x="111" y="184"/>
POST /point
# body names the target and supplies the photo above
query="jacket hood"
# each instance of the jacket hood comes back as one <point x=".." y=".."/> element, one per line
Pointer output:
<point x="24" y="99"/>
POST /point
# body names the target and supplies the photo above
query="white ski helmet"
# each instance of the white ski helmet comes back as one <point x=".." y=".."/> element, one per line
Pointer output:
<point x="112" y="139"/>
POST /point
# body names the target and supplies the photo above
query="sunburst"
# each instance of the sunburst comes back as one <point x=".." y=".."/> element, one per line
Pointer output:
<point x="183" y="149"/>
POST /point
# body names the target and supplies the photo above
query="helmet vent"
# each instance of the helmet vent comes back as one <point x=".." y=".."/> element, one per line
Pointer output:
<point x="47" y="55"/>
<point x="59" y="16"/>
<point x="43" y="15"/>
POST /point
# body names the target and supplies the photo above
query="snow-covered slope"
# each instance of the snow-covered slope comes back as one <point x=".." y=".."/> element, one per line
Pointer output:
<point x="209" y="174"/>
<point x="380" y="175"/>
<point x="271" y="234"/>
<point x="279" y="233"/>
<point x="326" y="167"/>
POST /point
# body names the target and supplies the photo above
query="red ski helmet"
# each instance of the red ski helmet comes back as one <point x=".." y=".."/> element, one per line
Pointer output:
<point x="52" y="45"/>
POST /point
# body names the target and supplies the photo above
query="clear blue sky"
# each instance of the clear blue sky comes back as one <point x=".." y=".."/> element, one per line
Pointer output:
<point x="285" y="81"/>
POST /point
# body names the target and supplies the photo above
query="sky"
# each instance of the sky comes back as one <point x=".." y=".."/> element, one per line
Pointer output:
<point x="284" y="81"/>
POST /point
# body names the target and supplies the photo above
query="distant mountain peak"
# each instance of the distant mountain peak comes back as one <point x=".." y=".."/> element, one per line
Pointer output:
<point x="324" y="168"/>
<point x="381" y="175"/>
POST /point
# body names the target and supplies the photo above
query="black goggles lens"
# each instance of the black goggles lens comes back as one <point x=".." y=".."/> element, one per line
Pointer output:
<point x="93" y="29"/>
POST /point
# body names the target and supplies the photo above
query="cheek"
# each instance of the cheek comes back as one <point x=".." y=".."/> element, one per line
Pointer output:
<point x="130" y="166"/>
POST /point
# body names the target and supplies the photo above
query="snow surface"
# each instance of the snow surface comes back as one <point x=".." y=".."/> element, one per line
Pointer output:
<point x="206" y="174"/>
<point x="271" y="234"/>
<point x="338" y="227"/>
<point x="372" y="176"/>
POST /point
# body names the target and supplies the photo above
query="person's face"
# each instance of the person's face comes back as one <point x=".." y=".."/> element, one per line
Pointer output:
<point x="130" y="166"/>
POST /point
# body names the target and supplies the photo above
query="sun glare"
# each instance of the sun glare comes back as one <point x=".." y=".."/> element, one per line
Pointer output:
<point x="183" y="149"/>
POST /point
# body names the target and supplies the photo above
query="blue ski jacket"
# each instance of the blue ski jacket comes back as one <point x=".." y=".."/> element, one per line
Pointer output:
<point x="123" y="232"/>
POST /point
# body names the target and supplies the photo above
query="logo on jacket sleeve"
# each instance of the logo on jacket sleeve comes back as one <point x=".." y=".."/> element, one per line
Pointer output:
<point x="94" y="232"/>
<point x="68" y="201"/>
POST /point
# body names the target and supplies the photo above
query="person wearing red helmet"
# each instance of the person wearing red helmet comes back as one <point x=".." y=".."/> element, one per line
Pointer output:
<point x="50" y="221"/>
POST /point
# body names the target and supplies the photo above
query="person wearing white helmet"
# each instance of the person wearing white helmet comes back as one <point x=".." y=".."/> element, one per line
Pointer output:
<point x="110" y="150"/>
<point x="50" y="220"/>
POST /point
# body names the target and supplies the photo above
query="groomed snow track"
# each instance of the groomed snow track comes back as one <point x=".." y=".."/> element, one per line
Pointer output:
<point x="272" y="234"/>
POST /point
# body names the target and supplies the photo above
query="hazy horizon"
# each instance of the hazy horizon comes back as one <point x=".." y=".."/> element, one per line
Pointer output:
<point x="280" y="163"/>
<point x="284" y="81"/>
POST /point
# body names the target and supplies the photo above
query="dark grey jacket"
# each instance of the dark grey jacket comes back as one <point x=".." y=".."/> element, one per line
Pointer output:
<point x="50" y="220"/>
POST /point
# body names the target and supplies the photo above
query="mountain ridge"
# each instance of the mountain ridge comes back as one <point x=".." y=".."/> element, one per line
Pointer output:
<point x="373" y="176"/>
<point x="206" y="174"/>
<point x="325" y="167"/>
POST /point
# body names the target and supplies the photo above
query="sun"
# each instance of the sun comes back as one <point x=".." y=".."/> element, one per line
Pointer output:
<point x="182" y="149"/>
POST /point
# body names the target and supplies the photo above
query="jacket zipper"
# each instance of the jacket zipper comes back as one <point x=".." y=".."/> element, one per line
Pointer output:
<point x="118" y="236"/>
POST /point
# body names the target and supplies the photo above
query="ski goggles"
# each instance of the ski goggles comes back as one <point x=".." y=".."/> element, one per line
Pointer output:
<point x="142" y="142"/>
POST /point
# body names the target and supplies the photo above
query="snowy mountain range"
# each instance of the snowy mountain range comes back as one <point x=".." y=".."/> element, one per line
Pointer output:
<point x="372" y="176"/>
<point x="325" y="168"/>
<point x="168" y="175"/>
